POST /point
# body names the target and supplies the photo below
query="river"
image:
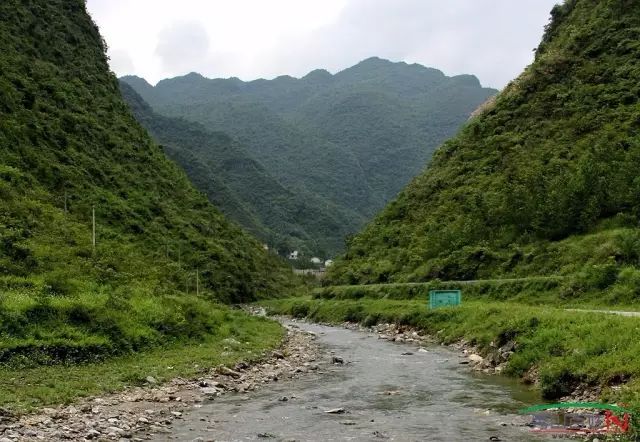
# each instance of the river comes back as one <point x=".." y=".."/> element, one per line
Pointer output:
<point x="385" y="394"/>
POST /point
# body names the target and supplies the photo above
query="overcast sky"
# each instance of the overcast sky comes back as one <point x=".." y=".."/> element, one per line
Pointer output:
<point x="250" y="39"/>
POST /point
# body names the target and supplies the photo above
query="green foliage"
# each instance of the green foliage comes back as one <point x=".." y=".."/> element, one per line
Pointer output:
<point x="344" y="144"/>
<point x="68" y="145"/>
<point x="514" y="193"/>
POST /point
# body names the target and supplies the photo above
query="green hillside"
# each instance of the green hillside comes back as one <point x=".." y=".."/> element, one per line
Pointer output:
<point x="70" y="145"/>
<point x="242" y="188"/>
<point x="543" y="182"/>
<point x="351" y="140"/>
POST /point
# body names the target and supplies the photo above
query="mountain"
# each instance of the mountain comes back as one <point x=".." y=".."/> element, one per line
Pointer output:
<point x="543" y="181"/>
<point x="352" y="139"/>
<point x="70" y="148"/>
<point x="241" y="187"/>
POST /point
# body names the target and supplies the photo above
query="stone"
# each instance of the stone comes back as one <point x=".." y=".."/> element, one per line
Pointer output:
<point x="508" y="347"/>
<point x="209" y="391"/>
<point x="278" y="355"/>
<point x="115" y="430"/>
<point x="151" y="380"/>
<point x="335" y="411"/>
<point x="337" y="360"/>
<point x="92" y="434"/>
<point x="475" y="358"/>
<point x="226" y="371"/>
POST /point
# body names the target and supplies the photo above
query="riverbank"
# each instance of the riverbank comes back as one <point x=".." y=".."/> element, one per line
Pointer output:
<point x="142" y="412"/>
<point x="582" y="355"/>
<point x="367" y="388"/>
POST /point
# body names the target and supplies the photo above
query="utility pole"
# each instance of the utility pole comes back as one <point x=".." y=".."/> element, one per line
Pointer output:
<point x="93" y="217"/>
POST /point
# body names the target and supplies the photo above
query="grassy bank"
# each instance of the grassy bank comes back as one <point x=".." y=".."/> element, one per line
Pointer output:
<point x="593" y="287"/>
<point x="237" y="337"/>
<point x="566" y="349"/>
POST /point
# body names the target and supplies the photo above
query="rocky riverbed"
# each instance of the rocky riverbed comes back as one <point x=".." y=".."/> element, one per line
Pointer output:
<point x="376" y="384"/>
<point x="142" y="413"/>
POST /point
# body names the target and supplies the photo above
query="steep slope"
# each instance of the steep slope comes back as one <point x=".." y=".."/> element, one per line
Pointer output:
<point x="241" y="187"/>
<point x="68" y="146"/>
<point x="354" y="138"/>
<point x="543" y="181"/>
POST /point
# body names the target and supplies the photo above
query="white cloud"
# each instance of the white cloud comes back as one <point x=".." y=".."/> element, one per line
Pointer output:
<point x="492" y="39"/>
<point x="121" y="61"/>
<point x="183" y="46"/>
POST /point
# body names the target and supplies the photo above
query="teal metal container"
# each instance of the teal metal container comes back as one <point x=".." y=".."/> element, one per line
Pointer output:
<point x="444" y="298"/>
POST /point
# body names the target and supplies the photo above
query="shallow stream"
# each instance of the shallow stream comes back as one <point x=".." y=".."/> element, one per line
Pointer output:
<point x="385" y="394"/>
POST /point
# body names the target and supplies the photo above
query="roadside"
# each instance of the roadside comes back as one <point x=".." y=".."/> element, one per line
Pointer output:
<point x="608" y="312"/>
<point x="139" y="413"/>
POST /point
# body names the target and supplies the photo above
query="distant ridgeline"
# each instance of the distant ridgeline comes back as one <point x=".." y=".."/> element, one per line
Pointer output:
<point x="241" y="187"/>
<point x="70" y="145"/>
<point x="326" y="151"/>
<point x="544" y="181"/>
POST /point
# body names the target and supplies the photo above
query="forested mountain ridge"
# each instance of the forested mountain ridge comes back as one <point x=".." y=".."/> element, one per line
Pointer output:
<point x="70" y="147"/>
<point x="241" y="187"/>
<point x="353" y="139"/>
<point x="543" y="181"/>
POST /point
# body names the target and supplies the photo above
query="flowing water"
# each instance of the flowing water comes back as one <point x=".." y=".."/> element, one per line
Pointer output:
<point x="386" y="396"/>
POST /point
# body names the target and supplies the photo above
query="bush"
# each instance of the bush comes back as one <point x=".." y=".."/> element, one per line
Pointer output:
<point x="60" y="284"/>
<point x="300" y="310"/>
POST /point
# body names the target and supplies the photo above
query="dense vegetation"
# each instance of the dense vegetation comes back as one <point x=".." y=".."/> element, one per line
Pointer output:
<point x="241" y="187"/>
<point x="68" y="145"/>
<point x="345" y="143"/>
<point x="542" y="182"/>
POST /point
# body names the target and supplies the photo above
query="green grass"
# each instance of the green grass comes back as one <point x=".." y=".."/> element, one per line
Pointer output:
<point x="607" y="285"/>
<point x="22" y="390"/>
<point x="568" y="348"/>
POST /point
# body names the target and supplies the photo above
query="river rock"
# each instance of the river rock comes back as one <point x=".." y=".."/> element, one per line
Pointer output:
<point x="337" y="360"/>
<point x="151" y="380"/>
<point x="335" y="411"/>
<point x="226" y="371"/>
<point x="475" y="358"/>
<point x="209" y="391"/>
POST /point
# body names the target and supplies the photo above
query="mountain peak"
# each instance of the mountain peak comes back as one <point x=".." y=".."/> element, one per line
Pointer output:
<point x="318" y="75"/>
